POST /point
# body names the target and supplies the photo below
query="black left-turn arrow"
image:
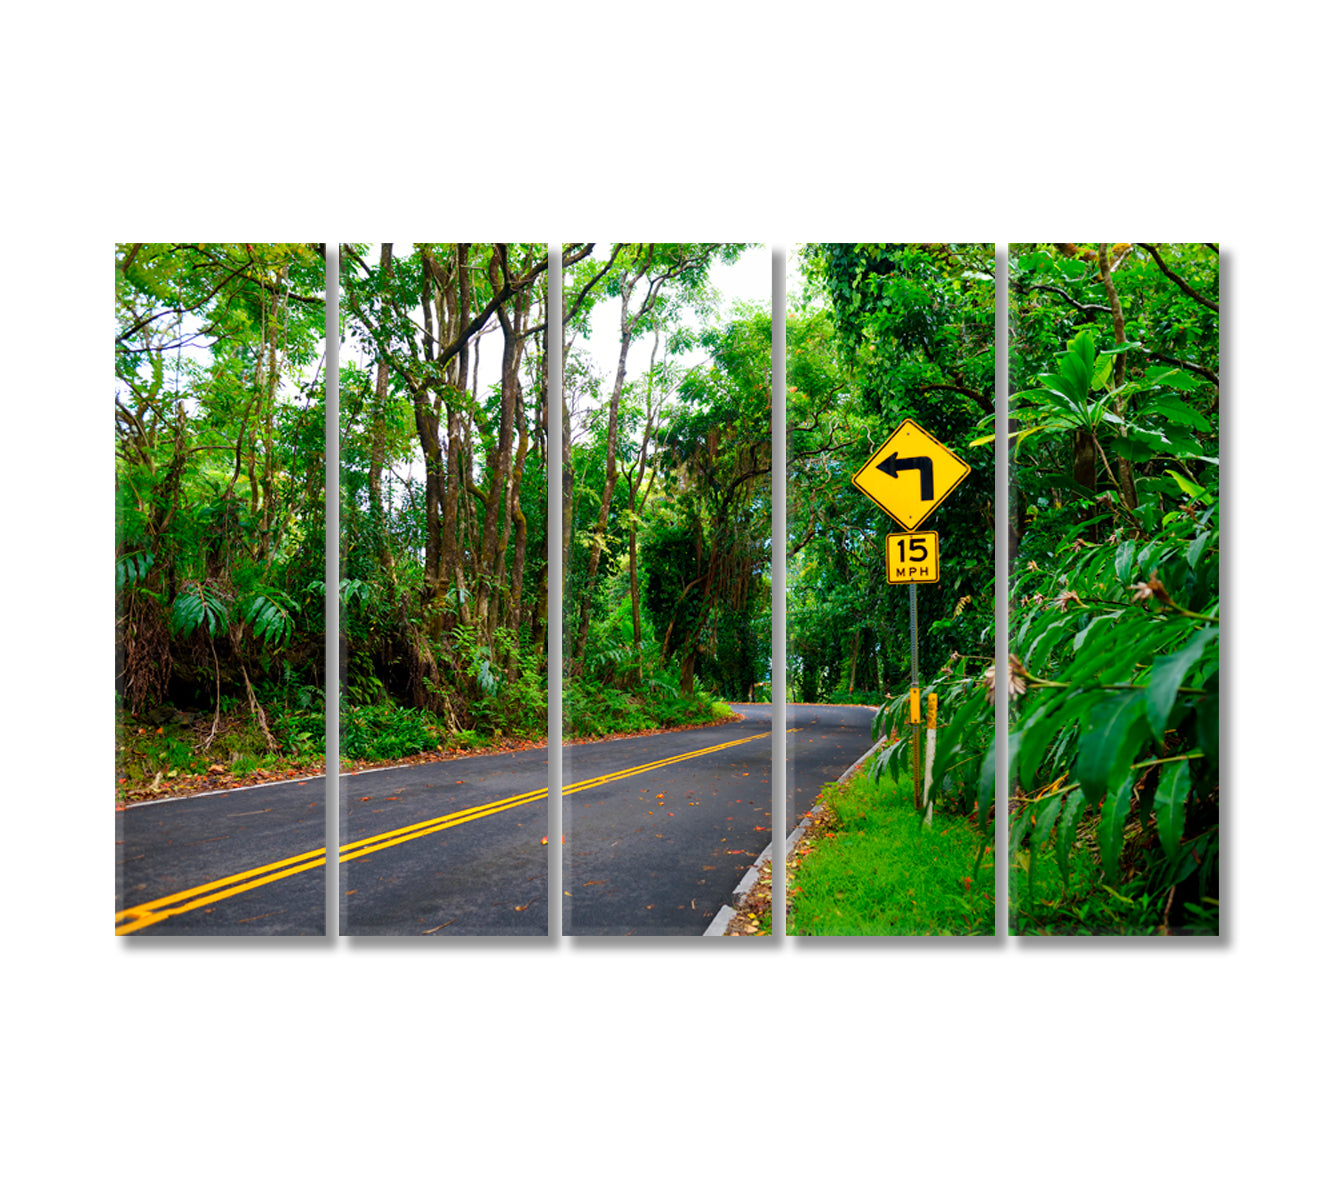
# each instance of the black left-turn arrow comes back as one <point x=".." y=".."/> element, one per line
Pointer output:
<point x="894" y="464"/>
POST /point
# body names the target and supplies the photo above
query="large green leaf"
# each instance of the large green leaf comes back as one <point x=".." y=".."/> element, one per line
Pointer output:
<point x="199" y="604"/>
<point x="1180" y="412"/>
<point x="1125" y="557"/>
<point x="1046" y="640"/>
<point x="1047" y="810"/>
<point x="1082" y="636"/>
<point x="1069" y="828"/>
<point x="1197" y="547"/>
<point x="1077" y="364"/>
<point x="1116" y="730"/>
<point x="1112" y="826"/>
<point x="133" y="569"/>
<point x="1039" y="733"/>
<point x="1169" y="803"/>
<point x="268" y="615"/>
<point x="1168" y="672"/>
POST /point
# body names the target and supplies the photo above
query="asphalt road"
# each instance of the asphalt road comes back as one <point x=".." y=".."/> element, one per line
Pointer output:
<point x="823" y="741"/>
<point x="446" y="849"/>
<point x="247" y="861"/>
<point x="659" y="828"/>
<point x="658" y="831"/>
<point x="437" y="849"/>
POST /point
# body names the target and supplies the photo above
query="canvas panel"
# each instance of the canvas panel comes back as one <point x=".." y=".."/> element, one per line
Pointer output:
<point x="220" y="588"/>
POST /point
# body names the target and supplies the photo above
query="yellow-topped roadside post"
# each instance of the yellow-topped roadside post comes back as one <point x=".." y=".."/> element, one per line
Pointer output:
<point x="908" y="477"/>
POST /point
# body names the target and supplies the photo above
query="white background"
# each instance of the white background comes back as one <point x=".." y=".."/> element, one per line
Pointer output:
<point x="739" y="1066"/>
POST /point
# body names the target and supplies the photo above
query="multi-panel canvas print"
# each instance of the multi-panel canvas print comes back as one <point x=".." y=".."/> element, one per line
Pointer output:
<point x="890" y="631"/>
<point x="220" y="603"/>
<point x="1114" y="588"/>
<point x="666" y="446"/>
<point x="1105" y="528"/>
<point x="443" y="761"/>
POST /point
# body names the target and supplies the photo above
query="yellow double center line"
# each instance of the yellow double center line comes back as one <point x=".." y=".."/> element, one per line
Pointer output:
<point x="131" y="919"/>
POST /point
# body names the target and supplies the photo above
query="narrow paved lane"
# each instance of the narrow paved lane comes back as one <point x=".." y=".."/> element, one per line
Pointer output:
<point x="247" y="861"/>
<point x="446" y="849"/>
<point x="665" y="826"/>
<point x="823" y="741"/>
<point x="437" y="849"/>
<point x="658" y="831"/>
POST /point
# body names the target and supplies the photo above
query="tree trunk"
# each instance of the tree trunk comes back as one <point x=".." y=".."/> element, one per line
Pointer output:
<point x="1125" y="473"/>
<point x="609" y="486"/>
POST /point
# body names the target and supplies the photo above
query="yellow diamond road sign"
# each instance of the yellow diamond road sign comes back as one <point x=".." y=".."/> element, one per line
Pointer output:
<point x="911" y="474"/>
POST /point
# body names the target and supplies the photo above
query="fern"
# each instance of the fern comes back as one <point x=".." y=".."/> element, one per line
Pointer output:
<point x="267" y="614"/>
<point x="199" y="604"/>
<point x="133" y="569"/>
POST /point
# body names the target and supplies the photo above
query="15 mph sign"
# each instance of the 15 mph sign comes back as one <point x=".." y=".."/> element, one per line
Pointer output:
<point x="912" y="557"/>
<point x="911" y="474"/>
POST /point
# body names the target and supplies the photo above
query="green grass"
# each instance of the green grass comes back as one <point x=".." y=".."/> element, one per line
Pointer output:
<point x="174" y="755"/>
<point x="876" y="869"/>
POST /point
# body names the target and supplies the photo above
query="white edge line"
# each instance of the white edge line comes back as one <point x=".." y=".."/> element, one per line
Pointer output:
<point x="249" y="787"/>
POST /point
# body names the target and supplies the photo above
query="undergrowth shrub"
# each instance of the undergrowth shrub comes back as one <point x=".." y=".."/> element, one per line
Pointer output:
<point x="378" y="731"/>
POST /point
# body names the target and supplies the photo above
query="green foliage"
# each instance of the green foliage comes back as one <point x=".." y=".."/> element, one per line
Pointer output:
<point x="219" y="466"/>
<point x="133" y="569"/>
<point x="593" y="709"/>
<point x="385" y="731"/>
<point x="1121" y="698"/>
<point x="884" y="332"/>
<point x="1115" y="595"/>
<point x="960" y="782"/>
<point x="270" y="614"/>
<point x="201" y="604"/>
<point x="300" y="731"/>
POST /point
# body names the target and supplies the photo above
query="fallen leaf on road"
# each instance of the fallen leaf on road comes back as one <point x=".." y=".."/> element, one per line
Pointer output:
<point x="594" y="882"/>
<point x="544" y="841"/>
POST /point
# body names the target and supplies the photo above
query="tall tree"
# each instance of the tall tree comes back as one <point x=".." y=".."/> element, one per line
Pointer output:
<point x="219" y="452"/>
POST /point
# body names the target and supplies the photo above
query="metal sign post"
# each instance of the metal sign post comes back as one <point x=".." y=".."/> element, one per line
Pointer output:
<point x="915" y="703"/>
